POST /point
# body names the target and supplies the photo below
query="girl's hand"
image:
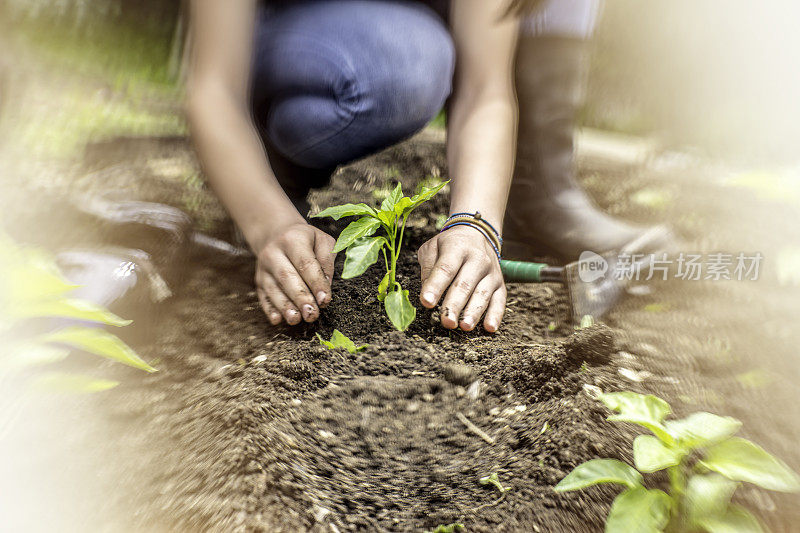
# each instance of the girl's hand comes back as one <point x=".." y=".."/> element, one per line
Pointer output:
<point x="293" y="274"/>
<point x="463" y="260"/>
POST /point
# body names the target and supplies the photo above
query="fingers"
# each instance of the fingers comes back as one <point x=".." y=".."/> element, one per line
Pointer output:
<point x="292" y="285"/>
<point x="441" y="274"/>
<point x="462" y="289"/>
<point x="273" y="294"/>
<point x="426" y="255"/>
<point x="303" y="258"/>
<point x="497" y="307"/>
<point x="478" y="303"/>
<point x="272" y="314"/>
<point x="323" y="248"/>
<point x="294" y="275"/>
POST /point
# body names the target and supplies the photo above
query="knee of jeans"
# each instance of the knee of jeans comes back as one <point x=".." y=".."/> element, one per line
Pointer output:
<point x="416" y="82"/>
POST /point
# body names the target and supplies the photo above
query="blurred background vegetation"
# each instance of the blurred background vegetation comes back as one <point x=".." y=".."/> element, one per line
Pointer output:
<point x="719" y="76"/>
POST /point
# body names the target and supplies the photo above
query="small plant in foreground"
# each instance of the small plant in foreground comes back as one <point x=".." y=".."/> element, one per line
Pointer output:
<point x="494" y="479"/>
<point x="449" y="528"/>
<point x="363" y="249"/>
<point x="587" y="321"/>
<point x="705" y="464"/>
<point x="32" y="290"/>
<point x="340" y="340"/>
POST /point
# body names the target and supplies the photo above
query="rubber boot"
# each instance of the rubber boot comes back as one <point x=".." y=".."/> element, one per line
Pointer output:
<point x="548" y="212"/>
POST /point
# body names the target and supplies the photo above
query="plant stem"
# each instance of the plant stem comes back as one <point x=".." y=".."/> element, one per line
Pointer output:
<point x="385" y="259"/>
<point x="398" y="246"/>
<point x="393" y="248"/>
<point x="677" y="488"/>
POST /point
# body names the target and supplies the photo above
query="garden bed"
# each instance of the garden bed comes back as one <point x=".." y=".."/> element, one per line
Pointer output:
<point x="254" y="428"/>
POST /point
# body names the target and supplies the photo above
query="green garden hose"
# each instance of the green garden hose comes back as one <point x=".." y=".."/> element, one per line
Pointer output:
<point x="525" y="272"/>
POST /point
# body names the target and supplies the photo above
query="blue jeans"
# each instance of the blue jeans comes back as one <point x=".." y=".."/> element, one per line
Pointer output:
<point x="336" y="80"/>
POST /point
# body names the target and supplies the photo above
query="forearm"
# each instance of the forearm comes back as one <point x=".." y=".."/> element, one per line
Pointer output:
<point x="236" y="166"/>
<point x="481" y="147"/>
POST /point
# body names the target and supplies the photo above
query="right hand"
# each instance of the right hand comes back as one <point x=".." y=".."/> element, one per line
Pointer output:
<point x="294" y="270"/>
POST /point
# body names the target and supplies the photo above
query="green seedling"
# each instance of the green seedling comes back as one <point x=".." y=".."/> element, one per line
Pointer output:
<point x="705" y="464"/>
<point x="363" y="248"/>
<point x="449" y="528"/>
<point x="545" y="427"/>
<point x="340" y="340"/>
<point x="494" y="479"/>
<point x="587" y="321"/>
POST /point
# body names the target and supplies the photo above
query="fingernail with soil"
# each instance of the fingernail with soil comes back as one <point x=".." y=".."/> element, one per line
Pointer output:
<point x="468" y="322"/>
<point x="308" y="312"/>
<point x="274" y="319"/>
<point x="292" y="316"/>
<point x="447" y="315"/>
<point x="491" y="327"/>
<point x="321" y="295"/>
<point x="428" y="298"/>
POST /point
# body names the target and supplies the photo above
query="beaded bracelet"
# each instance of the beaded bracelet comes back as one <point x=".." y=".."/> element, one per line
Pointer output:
<point x="495" y="238"/>
<point x="477" y="216"/>
<point x="475" y="221"/>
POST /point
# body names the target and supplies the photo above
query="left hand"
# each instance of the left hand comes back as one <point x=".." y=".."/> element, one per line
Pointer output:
<point x="462" y="262"/>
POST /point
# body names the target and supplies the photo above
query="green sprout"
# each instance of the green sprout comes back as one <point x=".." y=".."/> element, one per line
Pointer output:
<point x="340" y="340"/>
<point x="363" y="249"/>
<point x="494" y="479"/>
<point x="700" y="491"/>
<point x="449" y="528"/>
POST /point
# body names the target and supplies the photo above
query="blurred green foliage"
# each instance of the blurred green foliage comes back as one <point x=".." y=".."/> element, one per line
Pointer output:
<point x="33" y="290"/>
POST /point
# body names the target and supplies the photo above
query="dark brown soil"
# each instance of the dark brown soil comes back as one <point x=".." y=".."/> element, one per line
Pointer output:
<point x="252" y="428"/>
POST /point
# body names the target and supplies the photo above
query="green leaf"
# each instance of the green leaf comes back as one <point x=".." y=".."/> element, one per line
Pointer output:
<point x="600" y="471"/>
<point x="449" y="528"/>
<point x="347" y="210"/>
<point x="388" y="218"/>
<point x="493" y="479"/>
<point x="426" y="193"/>
<point x="390" y="201"/>
<point x="361" y="255"/>
<point x="363" y="227"/>
<point x="28" y="274"/>
<point x="399" y="309"/>
<point x="383" y="287"/>
<point x="72" y="383"/>
<point x="652" y="455"/>
<point x="702" y="429"/>
<point x="639" y="510"/>
<point x="68" y="308"/>
<point x="741" y="460"/>
<point x="340" y="340"/>
<point x="734" y="520"/>
<point x="401" y="206"/>
<point x="708" y="495"/>
<point x="645" y="410"/>
<point x="406" y="205"/>
<point x="98" y="342"/>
